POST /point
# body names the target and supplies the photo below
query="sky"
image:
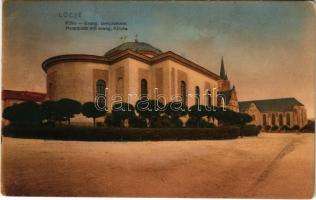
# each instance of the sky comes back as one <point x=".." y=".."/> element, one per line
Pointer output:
<point x="268" y="47"/>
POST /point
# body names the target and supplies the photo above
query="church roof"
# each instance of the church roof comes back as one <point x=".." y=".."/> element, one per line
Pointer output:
<point x="227" y="94"/>
<point x="134" y="46"/>
<point x="271" y="105"/>
<point x="23" y="95"/>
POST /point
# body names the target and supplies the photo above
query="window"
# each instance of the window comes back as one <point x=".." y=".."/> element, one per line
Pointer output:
<point x="209" y="98"/>
<point x="119" y="86"/>
<point x="280" y="120"/>
<point x="51" y="91"/>
<point x="197" y="95"/>
<point x="143" y="88"/>
<point x="288" y="119"/>
<point x="264" y="120"/>
<point x="100" y="87"/>
<point x="100" y="91"/>
<point x="183" y="92"/>
<point x="273" y="120"/>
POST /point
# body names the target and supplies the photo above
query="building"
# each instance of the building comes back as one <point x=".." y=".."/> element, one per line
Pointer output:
<point x="275" y="112"/>
<point x="10" y="97"/>
<point x="226" y="94"/>
<point x="133" y="70"/>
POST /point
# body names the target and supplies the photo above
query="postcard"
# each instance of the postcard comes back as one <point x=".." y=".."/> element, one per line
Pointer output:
<point x="210" y="99"/>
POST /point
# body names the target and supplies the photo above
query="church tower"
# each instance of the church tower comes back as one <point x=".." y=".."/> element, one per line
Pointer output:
<point x="223" y="84"/>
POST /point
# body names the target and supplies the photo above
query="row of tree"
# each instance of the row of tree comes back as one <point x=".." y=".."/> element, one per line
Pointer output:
<point x="145" y="113"/>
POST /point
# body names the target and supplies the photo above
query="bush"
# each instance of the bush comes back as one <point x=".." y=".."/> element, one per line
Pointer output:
<point x="295" y="127"/>
<point x="250" y="130"/>
<point x="309" y="127"/>
<point x="267" y="128"/>
<point x="194" y="122"/>
<point x="274" y="128"/>
<point x="120" y="134"/>
<point x="285" y="128"/>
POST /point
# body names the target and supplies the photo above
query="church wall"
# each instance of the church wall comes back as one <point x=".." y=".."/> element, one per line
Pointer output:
<point x="193" y="79"/>
<point x="74" y="80"/>
<point x="161" y="81"/>
<point x="136" y="72"/>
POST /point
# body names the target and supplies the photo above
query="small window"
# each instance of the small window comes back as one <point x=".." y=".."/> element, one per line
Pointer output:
<point x="183" y="92"/>
<point x="197" y="95"/>
<point x="280" y="120"/>
<point x="209" y="98"/>
<point x="264" y="120"/>
<point x="100" y="91"/>
<point x="143" y="88"/>
<point x="288" y="119"/>
<point x="273" y="120"/>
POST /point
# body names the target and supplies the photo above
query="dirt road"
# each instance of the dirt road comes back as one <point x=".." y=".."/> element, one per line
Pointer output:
<point x="271" y="165"/>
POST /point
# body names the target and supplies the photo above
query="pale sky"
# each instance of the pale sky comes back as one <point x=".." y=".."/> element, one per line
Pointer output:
<point x="268" y="47"/>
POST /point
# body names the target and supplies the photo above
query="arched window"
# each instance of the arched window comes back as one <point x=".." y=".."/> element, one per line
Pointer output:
<point x="197" y="95"/>
<point x="143" y="88"/>
<point x="264" y="120"/>
<point x="100" y="91"/>
<point x="280" y="120"/>
<point x="183" y="92"/>
<point x="273" y="120"/>
<point x="209" y="98"/>
<point x="100" y="87"/>
<point x="288" y="119"/>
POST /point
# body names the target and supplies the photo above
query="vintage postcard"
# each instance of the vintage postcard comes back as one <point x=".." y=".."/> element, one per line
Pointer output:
<point x="209" y="99"/>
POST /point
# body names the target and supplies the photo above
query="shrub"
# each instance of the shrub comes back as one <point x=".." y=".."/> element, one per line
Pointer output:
<point x="274" y="128"/>
<point x="89" y="110"/>
<point x="149" y="109"/>
<point x="285" y="128"/>
<point x="163" y="122"/>
<point x="267" y="128"/>
<point x="66" y="109"/>
<point x="309" y="127"/>
<point x="250" y="130"/>
<point x="194" y="122"/>
<point x="120" y="134"/>
<point x="25" y="113"/>
<point x="295" y="127"/>
<point x="121" y="112"/>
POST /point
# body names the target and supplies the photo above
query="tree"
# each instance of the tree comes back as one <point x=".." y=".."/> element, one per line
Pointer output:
<point x="66" y="109"/>
<point x="149" y="109"/>
<point x="121" y="112"/>
<point x="48" y="109"/>
<point x="176" y="109"/>
<point x="25" y="113"/>
<point x="89" y="110"/>
<point x="196" y="112"/>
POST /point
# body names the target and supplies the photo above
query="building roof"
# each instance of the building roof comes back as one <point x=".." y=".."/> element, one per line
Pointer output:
<point x="228" y="95"/>
<point x="271" y="105"/>
<point x="134" y="46"/>
<point x="23" y="95"/>
<point x="120" y="55"/>
<point x="222" y="73"/>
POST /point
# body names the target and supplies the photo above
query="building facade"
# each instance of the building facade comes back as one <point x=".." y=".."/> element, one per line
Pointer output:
<point x="132" y="70"/>
<point x="275" y="112"/>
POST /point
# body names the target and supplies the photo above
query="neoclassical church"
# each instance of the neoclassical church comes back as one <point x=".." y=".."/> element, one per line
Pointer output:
<point x="133" y="70"/>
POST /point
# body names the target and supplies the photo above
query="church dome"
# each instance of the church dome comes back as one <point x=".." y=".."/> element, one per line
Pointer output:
<point x="140" y="47"/>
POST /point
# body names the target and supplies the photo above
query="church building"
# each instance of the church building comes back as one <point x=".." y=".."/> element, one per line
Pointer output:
<point x="133" y="70"/>
<point x="275" y="112"/>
